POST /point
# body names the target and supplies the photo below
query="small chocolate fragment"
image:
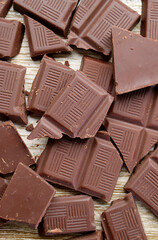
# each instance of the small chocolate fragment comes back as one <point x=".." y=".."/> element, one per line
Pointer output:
<point x="67" y="63"/>
<point x="135" y="59"/>
<point x="4" y="7"/>
<point x="93" y="20"/>
<point x="42" y="40"/>
<point x="13" y="149"/>
<point x="26" y="93"/>
<point x="29" y="128"/>
<point x="3" y="186"/>
<point x="143" y="183"/>
<point x="55" y="14"/>
<point x="26" y="198"/>
<point x="52" y="76"/>
<point x="122" y="221"/>
<point x="92" y="236"/>
<point x="70" y="214"/>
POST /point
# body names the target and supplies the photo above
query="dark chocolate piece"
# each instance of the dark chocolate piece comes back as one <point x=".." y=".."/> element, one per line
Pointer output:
<point x="132" y="123"/>
<point x="12" y="98"/>
<point x="52" y="76"/>
<point x="4" y="7"/>
<point x="91" y="166"/>
<point x="70" y="214"/>
<point x="26" y="198"/>
<point x="42" y="40"/>
<point x="92" y="236"/>
<point x="55" y="14"/>
<point x="122" y="221"/>
<point x="135" y="61"/>
<point x="3" y="186"/>
<point x="93" y="20"/>
<point x="29" y="128"/>
<point x="143" y="183"/>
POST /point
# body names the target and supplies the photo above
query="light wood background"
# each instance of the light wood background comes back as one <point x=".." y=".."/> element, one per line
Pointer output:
<point x="17" y="231"/>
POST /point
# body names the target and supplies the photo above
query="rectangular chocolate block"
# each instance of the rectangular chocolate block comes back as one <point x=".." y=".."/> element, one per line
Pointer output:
<point x="91" y="166"/>
<point x="93" y="236"/>
<point x="4" y="7"/>
<point x="143" y="183"/>
<point x="55" y="14"/>
<point x="93" y="20"/>
<point x="26" y="198"/>
<point x="122" y="221"/>
<point x="52" y="76"/>
<point x="70" y="214"/>
<point x="12" y="98"/>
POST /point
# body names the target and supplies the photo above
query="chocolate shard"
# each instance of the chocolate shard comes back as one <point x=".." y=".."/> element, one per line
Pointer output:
<point x="11" y="36"/>
<point x="132" y="124"/>
<point x="52" y="76"/>
<point x="93" y="20"/>
<point x="122" y="221"/>
<point x="42" y="40"/>
<point x="77" y="111"/>
<point x="91" y="165"/>
<point x="4" y="7"/>
<point x="55" y="14"/>
<point x="12" y="98"/>
<point x="26" y="198"/>
<point x="13" y="149"/>
<point x="3" y="186"/>
<point x="139" y="55"/>
<point x="69" y="214"/>
<point x="143" y="183"/>
<point x="92" y="236"/>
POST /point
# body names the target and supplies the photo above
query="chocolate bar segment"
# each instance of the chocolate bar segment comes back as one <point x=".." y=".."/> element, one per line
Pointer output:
<point x="143" y="183"/>
<point x="93" y="20"/>
<point x="26" y="198"/>
<point x="3" y="186"/>
<point x="52" y="76"/>
<point x="92" y="236"/>
<point x="122" y="221"/>
<point x="55" y="14"/>
<point x="69" y="214"/>
<point x="4" y="7"/>
<point x="77" y="111"/>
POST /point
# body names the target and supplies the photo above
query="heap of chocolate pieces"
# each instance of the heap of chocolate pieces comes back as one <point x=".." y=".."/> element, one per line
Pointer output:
<point x="96" y="118"/>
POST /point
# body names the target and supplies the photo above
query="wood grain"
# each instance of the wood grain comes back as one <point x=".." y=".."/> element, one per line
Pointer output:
<point x="17" y="231"/>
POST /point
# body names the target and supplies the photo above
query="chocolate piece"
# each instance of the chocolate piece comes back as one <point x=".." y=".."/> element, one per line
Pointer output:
<point x="91" y="166"/>
<point x="69" y="214"/>
<point x="55" y="14"/>
<point x="77" y="111"/>
<point x="26" y="93"/>
<point x="42" y="40"/>
<point x="144" y="182"/>
<point x="135" y="60"/>
<point x="133" y="124"/>
<point x="4" y="7"/>
<point x="29" y="128"/>
<point x="12" y="98"/>
<point x="52" y="76"/>
<point x="67" y="63"/>
<point x="3" y="186"/>
<point x="26" y="198"/>
<point x="92" y="236"/>
<point x="93" y="20"/>
<point x="13" y="149"/>
<point x="122" y="221"/>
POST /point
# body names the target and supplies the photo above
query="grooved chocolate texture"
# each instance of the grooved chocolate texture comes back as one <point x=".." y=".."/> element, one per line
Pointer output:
<point x="4" y="7"/>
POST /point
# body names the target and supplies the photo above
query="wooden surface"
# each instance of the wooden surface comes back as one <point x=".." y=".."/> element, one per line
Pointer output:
<point x="17" y="231"/>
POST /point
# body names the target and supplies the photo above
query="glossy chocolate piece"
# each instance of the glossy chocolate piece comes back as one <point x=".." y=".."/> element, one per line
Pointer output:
<point x="77" y="111"/>
<point x="93" y="20"/>
<point x="69" y="214"/>
<point x="26" y="198"/>
<point x="132" y="123"/>
<point x="55" y="14"/>
<point x="3" y="186"/>
<point x="135" y="61"/>
<point x="92" y="236"/>
<point x="91" y="166"/>
<point x="4" y="7"/>
<point x="52" y="76"/>
<point x="122" y="221"/>
<point x="143" y="183"/>
<point x="12" y="98"/>
<point x="13" y="149"/>
<point x="42" y="40"/>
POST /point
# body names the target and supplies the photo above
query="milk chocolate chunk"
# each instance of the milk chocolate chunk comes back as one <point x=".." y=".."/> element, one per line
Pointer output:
<point x="92" y="236"/>
<point x="77" y="111"/>
<point x="12" y="98"/>
<point x="93" y="20"/>
<point x="69" y="214"/>
<point x="122" y="221"/>
<point x="3" y="186"/>
<point x="4" y="7"/>
<point x="143" y="183"/>
<point x="13" y="149"/>
<point x="55" y="14"/>
<point x="26" y="198"/>
<point x="132" y="123"/>
<point x="52" y="76"/>
<point x="42" y="40"/>
<point x="135" y="61"/>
